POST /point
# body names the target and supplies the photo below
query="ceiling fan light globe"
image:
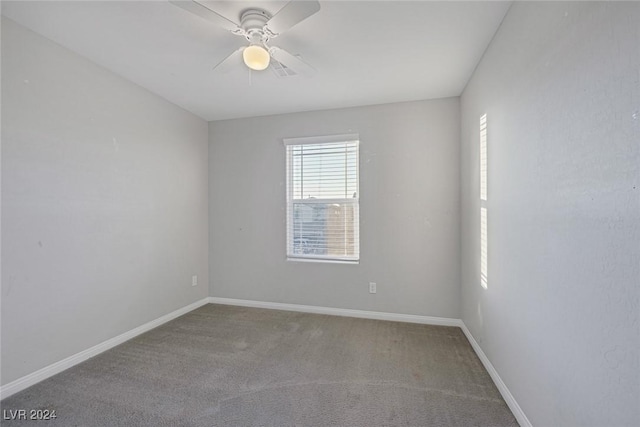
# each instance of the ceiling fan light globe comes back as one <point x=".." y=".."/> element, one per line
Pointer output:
<point x="256" y="57"/>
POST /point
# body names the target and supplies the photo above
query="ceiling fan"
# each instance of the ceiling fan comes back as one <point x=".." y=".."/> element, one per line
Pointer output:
<point x="259" y="27"/>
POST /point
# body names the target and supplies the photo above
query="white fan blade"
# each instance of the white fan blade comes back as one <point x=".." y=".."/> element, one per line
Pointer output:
<point x="292" y="13"/>
<point x="291" y="61"/>
<point x="206" y="13"/>
<point x="231" y="61"/>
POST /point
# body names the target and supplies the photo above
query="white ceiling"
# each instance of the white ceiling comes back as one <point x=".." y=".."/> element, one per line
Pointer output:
<point x="366" y="52"/>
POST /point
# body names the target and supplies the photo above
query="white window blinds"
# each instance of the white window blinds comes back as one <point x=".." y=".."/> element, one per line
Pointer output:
<point x="323" y="198"/>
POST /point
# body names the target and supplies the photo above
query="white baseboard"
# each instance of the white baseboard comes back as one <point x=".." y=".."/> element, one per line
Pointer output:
<point x="379" y="315"/>
<point x="48" y="371"/>
<point x="502" y="388"/>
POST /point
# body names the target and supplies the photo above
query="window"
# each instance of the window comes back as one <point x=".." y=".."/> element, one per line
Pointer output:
<point x="323" y="198"/>
<point x="483" y="203"/>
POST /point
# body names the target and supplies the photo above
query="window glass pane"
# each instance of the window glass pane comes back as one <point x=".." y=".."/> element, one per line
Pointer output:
<point x="326" y="229"/>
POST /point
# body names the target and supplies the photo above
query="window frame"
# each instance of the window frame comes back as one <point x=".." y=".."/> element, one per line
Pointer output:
<point x="290" y="200"/>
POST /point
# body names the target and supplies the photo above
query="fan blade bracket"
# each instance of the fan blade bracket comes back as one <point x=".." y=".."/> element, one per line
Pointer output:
<point x="268" y="33"/>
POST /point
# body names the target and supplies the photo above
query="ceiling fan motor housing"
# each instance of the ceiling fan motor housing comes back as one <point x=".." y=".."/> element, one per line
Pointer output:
<point x="253" y="22"/>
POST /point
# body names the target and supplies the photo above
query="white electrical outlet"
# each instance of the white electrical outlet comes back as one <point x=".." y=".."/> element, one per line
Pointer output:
<point x="194" y="280"/>
<point x="372" y="287"/>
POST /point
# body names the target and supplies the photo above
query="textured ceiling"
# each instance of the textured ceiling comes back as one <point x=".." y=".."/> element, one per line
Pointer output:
<point x="366" y="52"/>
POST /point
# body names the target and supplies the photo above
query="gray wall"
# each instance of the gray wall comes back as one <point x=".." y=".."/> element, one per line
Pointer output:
<point x="409" y="210"/>
<point x="560" y="318"/>
<point x="104" y="204"/>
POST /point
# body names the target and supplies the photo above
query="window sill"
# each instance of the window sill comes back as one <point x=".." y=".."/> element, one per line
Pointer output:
<point x="324" y="261"/>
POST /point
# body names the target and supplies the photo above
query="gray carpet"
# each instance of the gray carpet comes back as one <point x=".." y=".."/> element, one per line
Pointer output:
<point x="233" y="366"/>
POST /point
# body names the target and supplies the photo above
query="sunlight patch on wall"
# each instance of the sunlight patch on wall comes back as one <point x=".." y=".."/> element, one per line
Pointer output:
<point x="483" y="203"/>
<point x="483" y="157"/>
<point x="483" y="247"/>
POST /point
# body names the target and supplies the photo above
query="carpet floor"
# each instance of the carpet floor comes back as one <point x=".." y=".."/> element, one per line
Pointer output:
<point x="234" y="366"/>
